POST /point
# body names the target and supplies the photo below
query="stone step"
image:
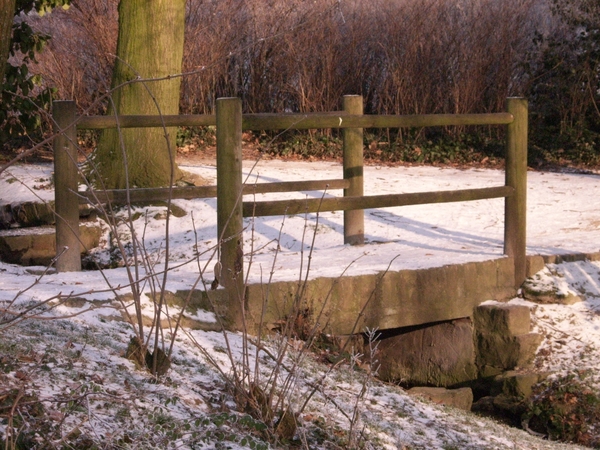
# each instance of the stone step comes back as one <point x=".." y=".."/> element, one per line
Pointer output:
<point x="34" y="214"/>
<point x="503" y="336"/>
<point x="36" y="246"/>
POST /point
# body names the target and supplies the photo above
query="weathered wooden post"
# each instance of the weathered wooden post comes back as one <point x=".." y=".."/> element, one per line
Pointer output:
<point x="515" y="225"/>
<point x="66" y="205"/>
<point x="229" y="202"/>
<point x="354" y="221"/>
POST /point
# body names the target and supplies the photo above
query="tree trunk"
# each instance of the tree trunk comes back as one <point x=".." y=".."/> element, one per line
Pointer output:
<point x="150" y="45"/>
<point x="7" y="14"/>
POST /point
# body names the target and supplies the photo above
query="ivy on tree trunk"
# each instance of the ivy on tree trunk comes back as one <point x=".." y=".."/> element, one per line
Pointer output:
<point x="149" y="47"/>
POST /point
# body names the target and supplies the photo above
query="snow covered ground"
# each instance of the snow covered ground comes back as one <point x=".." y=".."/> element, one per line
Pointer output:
<point x="563" y="217"/>
<point x="80" y="356"/>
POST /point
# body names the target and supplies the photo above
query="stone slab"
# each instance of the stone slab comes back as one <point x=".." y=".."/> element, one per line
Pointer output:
<point x="506" y="352"/>
<point x="503" y="318"/>
<point x="439" y="355"/>
<point x="37" y="245"/>
<point x="533" y="265"/>
<point x="349" y="305"/>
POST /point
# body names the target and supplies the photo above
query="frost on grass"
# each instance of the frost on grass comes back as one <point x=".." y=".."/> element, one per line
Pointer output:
<point x="67" y="384"/>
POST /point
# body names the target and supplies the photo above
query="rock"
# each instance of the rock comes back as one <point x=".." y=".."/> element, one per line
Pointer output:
<point x="545" y="297"/>
<point x="37" y="245"/>
<point x="504" y="319"/>
<point x="537" y="288"/>
<point x="517" y="384"/>
<point x="506" y="352"/>
<point x="437" y="355"/>
<point x="533" y="265"/>
<point x="461" y="398"/>
<point x="28" y="214"/>
<point x="503" y="338"/>
<point x="527" y="345"/>
<point x="33" y="214"/>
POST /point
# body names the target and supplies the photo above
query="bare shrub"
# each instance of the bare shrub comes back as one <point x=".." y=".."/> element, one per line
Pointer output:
<point x="79" y="58"/>
<point x="404" y="56"/>
<point x="457" y="57"/>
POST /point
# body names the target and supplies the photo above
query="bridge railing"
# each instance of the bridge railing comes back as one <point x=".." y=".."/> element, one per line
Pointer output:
<point x="229" y="190"/>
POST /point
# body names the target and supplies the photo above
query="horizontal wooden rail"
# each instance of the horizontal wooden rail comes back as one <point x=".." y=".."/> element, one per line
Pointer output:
<point x="292" y="186"/>
<point x="121" y="196"/>
<point x="301" y="206"/>
<point x="341" y="120"/>
<point x="102" y="122"/>
<point x="338" y="119"/>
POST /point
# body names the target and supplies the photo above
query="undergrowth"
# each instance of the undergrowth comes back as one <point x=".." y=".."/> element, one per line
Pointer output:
<point x="571" y="148"/>
<point x="380" y="146"/>
<point x="463" y="149"/>
<point x="566" y="408"/>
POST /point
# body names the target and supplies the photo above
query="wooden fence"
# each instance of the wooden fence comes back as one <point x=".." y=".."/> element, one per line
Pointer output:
<point x="229" y="190"/>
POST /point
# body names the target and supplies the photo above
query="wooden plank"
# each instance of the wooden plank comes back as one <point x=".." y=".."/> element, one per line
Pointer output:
<point x="301" y="206"/>
<point x="119" y="196"/>
<point x="294" y="186"/>
<point x="101" y="122"/>
<point x="343" y="120"/>
<point x="337" y="119"/>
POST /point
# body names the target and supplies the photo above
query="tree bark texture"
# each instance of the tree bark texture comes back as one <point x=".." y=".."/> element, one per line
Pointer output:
<point x="7" y="14"/>
<point x="149" y="46"/>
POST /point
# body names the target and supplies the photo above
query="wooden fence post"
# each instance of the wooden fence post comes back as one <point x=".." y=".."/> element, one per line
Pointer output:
<point x="354" y="221"/>
<point x="229" y="201"/>
<point x="515" y="225"/>
<point x="66" y="205"/>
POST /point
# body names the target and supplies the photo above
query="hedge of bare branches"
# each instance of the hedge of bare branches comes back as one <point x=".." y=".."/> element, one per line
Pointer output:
<point x="403" y="56"/>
